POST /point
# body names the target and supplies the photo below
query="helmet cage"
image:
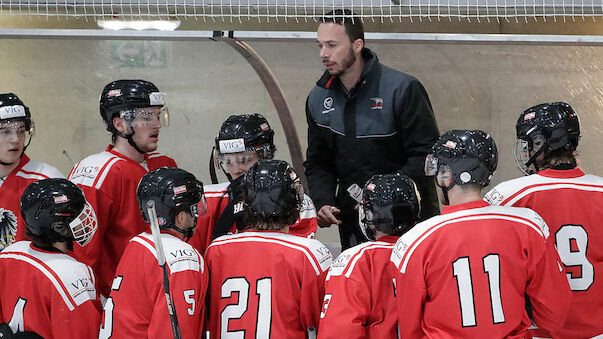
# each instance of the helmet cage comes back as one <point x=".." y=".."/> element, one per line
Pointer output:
<point x="84" y="226"/>
<point x="56" y="210"/>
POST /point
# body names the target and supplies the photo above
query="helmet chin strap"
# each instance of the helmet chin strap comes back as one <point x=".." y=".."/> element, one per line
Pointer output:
<point x="532" y="160"/>
<point x="445" y="190"/>
<point x="131" y="141"/>
<point x="187" y="233"/>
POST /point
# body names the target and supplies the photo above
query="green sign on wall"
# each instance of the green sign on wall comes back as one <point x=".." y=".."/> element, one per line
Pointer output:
<point x="138" y="54"/>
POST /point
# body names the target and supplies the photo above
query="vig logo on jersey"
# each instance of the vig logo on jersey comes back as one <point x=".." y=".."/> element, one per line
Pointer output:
<point x="529" y="116"/>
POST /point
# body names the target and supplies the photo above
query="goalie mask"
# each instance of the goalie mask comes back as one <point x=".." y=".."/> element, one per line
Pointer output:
<point x="137" y="102"/>
<point x="272" y="193"/>
<point x="15" y="120"/>
<point x="390" y="204"/>
<point x="466" y="156"/>
<point x="56" y="210"/>
<point x="173" y="190"/>
<point x="544" y="129"/>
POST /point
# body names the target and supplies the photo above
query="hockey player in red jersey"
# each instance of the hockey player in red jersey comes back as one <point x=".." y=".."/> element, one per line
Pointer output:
<point x="476" y="271"/>
<point x="137" y="306"/>
<point x="241" y="142"/>
<point x="359" y="298"/>
<point x="16" y="169"/>
<point x="264" y="282"/>
<point x="133" y="111"/>
<point x="51" y="295"/>
<point x="571" y="203"/>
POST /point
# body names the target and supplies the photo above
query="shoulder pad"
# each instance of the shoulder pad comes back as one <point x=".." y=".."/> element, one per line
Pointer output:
<point x="43" y="170"/>
<point x="216" y="190"/>
<point x="93" y="170"/>
<point x="179" y="255"/>
<point x="72" y="280"/>
<point x="499" y="194"/>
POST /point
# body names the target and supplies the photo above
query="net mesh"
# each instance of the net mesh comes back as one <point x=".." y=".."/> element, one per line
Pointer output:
<point x="308" y="10"/>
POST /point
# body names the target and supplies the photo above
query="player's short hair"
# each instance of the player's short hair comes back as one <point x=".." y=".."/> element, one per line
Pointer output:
<point x="559" y="157"/>
<point x="345" y="17"/>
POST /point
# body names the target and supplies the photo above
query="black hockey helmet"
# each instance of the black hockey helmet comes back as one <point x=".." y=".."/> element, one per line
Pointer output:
<point x="119" y="99"/>
<point x="543" y="129"/>
<point x="56" y="210"/>
<point x="390" y="203"/>
<point x="173" y="190"/>
<point x="470" y="156"/>
<point x="12" y="110"/>
<point x="272" y="192"/>
<point x="246" y="133"/>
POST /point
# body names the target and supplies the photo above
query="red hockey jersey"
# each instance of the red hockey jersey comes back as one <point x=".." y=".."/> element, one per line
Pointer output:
<point x="48" y="293"/>
<point x="467" y="273"/>
<point x="359" y="296"/>
<point x="137" y="307"/>
<point x="571" y="203"/>
<point x="266" y="284"/>
<point x="27" y="171"/>
<point x="109" y="181"/>
<point x="216" y="197"/>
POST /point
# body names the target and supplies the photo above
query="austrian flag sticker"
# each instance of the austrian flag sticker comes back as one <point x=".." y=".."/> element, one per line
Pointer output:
<point x="179" y="189"/>
<point x="450" y="144"/>
<point x="60" y="199"/>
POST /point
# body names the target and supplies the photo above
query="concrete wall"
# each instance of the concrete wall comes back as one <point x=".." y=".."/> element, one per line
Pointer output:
<point x="471" y="86"/>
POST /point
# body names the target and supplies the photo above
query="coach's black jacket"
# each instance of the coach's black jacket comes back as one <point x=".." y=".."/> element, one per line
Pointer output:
<point x="384" y="124"/>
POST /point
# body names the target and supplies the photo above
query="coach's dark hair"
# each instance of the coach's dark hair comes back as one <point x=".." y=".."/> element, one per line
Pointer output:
<point x="345" y="17"/>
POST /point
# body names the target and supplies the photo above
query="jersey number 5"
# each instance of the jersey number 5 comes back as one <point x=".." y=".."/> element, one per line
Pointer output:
<point x="462" y="272"/>
<point x="565" y="237"/>
<point x="235" y="311"/>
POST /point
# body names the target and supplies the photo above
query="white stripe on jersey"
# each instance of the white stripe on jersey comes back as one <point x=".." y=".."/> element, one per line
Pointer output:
<point x="57" y="284"/>
<point x="348" y="273"/>
<point x="179" y="255"/>
<point x="37" y="167"/>
<point x="103" y="175"/>
<point x="92" y="167"/>
<point x="34" y="176"/>
<point x="507" y="189"/>
<point x="313" y="249"/>
<point x="410" y="241"/>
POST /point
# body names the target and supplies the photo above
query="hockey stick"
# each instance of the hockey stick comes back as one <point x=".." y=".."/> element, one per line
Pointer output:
<point x="161" y="260"/>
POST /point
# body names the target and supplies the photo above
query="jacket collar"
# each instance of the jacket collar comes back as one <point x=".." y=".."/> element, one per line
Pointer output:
<point x="371" y="61"/>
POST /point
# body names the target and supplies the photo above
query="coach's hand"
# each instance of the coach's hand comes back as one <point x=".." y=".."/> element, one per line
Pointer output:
<point x="326" y="216"/>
